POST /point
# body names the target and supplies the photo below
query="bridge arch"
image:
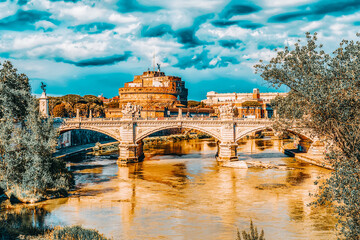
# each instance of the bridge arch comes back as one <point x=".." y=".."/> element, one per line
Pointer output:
<point x="147" y="133"/>
<point x="108" y="133"/>
<point x="261" y="128"/>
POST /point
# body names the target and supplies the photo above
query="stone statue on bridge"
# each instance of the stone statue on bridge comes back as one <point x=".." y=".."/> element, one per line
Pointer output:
<point x="227" y="111"/>
<point x="130" y="110"/>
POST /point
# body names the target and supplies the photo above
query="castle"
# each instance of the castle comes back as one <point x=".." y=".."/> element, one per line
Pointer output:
<point x="154" y="92"/>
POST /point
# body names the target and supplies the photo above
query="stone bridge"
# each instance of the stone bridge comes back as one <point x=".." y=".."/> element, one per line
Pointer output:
<point x="130" y="131"/>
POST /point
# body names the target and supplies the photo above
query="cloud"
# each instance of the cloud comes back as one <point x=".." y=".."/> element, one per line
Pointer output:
<point x="22" y="2"/>
<point x="201" y="41"/>
<point x="202" y="61"/>
<point x="187" y="37"/>
<point x="223" y="23"/>
<point x="97" y="61"/>
<point x="23" y="20"/>
<point x="230" y="43"/>
<point x="157" y="31"/>
<point x="239" y="9"/>
<point x="317" y="11"/>
<point x="126" y="6"/>
<point x="73" y="1"/>
<point x="93" y="28"/>
<point x="268" y="46"/>
<point x="240" y="23"/>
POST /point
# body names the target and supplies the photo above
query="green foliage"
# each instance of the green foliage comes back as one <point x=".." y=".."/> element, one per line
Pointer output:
<point x="192" y="104"/>
<point x="14" y="92"/>
<point x="325" y="97"/>
<point x="60" y="110"/>
<point x="66" y="105"/>
<point x="112" y="105"/>
<point x="27" y="169"/>
<point x="252" y="235"/>
<point x="76" y="233"/>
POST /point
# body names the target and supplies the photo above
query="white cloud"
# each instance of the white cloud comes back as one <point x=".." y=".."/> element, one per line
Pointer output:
<point x="338" y="28"/>
<point x="34" y="41"/>
<point x="285" y="3"/>
<point x="84" y="13"/>
<point x="232" y="32"/>
<point x="45" y="25"/>
<point x="311" y="26"/>
<point x="264" y="54"/>
<point x="120" y="18"/>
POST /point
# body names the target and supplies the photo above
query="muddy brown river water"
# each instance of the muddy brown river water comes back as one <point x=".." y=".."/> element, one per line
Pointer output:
<point x="179" y="192"/>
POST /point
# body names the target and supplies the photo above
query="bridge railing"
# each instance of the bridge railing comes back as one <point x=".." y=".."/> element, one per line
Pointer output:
<point x="210" y="119"/>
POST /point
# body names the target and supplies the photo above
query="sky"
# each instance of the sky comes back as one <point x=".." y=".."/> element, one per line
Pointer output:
<point x="94" y="47"/>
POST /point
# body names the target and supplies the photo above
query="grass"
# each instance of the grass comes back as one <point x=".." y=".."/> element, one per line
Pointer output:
<point x="252" y="235"/>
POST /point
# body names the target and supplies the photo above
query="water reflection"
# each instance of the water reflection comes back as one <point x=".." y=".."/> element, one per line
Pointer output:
<point x="183" y="194"/>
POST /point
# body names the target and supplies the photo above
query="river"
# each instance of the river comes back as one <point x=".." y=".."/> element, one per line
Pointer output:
<point x="179" y="192"/>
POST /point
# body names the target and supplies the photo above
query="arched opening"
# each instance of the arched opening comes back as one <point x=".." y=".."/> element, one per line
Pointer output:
<point x="81" y="137"/>
<point x="176" y="141"/>
<point x="289" y="140"/>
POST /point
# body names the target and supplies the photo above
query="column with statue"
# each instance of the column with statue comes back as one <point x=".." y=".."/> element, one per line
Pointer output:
<point x="44" y="102"/>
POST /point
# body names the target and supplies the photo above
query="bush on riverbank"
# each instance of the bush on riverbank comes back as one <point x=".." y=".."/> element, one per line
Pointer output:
<point x="76" y="233"/>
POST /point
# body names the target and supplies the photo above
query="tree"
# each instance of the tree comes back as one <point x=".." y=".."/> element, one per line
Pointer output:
<point x="15" y="92"/>
<point x="72" y="102"/>
<point x="28" y="171"/>
<point x="59" y="110"/>
<point x="325" y="97"/>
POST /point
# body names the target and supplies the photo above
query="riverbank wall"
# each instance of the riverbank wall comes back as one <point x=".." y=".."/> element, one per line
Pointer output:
<point x="318" y="159"/>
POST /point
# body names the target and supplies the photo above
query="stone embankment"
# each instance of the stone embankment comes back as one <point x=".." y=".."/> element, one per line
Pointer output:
<point x="315" y="159"/>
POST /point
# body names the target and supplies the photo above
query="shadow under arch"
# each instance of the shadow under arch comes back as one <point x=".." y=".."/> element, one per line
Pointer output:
<point x="262" y="128"/>
<point x="152" y="131"/>
<point x="63" y="130"/>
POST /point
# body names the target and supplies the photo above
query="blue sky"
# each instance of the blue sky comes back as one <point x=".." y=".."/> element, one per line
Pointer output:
<point x="94" y="47"/>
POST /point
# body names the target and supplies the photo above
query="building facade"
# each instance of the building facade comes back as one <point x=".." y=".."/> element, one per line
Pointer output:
<point x="248" y="105"/>
<point x="154" y="92"/>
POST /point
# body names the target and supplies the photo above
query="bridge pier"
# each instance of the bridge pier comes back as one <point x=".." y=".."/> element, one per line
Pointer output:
<point x="131" y="152"/>
<point x="227" y="152"/>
